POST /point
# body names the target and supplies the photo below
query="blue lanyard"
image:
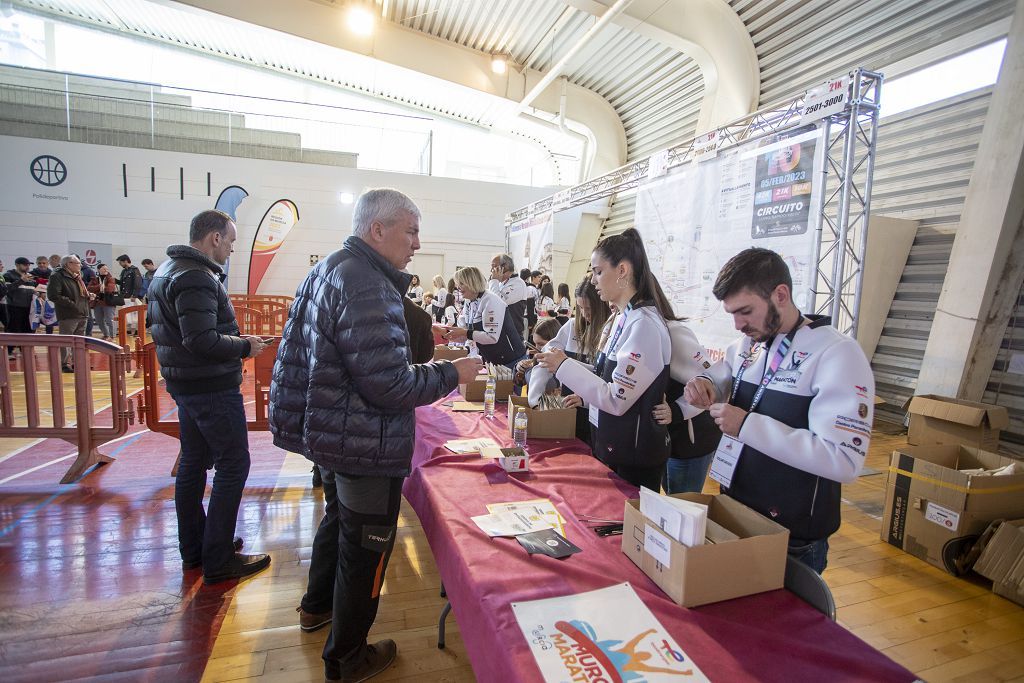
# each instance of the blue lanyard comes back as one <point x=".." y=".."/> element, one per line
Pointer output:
<point x="769" y="372"/>
<point x="602" y="356"/>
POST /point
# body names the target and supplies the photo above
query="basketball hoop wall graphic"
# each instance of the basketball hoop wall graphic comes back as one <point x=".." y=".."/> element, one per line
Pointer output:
<point x="48" y="170"/>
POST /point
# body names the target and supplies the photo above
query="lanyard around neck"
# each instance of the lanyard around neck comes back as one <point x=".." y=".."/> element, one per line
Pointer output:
<point x="770" y="370"/>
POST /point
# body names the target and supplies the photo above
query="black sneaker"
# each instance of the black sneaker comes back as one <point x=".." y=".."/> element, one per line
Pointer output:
<point x="378" y="657"/>
<point x="198" y="564"/>
<point x="238" y="567"/>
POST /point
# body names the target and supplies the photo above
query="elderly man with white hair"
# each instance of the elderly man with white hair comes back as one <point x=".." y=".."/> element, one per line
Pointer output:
<point x="70" y="298"/>
<point x="343" y="394"/>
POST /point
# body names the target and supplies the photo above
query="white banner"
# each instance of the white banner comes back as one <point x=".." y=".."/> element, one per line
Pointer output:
<point x="759" y="195"/>
<point x="826" y="99"/>
<point x="531" y="243"/>
<point x="602" y="635"/>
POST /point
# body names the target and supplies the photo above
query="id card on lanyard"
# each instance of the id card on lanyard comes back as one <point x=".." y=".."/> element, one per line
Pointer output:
<point x="727" y="456"/>
<point x="593" y="413"/>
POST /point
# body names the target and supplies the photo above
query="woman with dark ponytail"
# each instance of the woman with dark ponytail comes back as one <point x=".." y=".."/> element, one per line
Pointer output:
<point x="631" y="372"/>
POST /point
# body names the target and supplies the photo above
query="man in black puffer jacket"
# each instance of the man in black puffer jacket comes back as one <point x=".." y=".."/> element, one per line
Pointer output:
<point x="200" y="353"/>
<point x="343" y="394"/>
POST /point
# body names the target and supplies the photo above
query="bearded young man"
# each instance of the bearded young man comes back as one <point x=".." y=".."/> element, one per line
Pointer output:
<point x="793" y="398"/>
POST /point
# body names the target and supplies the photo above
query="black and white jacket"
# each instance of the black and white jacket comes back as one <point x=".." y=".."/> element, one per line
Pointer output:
<point x="810" y="431"/>
<point x="494" y="329"/>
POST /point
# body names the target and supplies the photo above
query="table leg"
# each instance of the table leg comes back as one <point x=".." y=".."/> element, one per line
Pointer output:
<point x="440" y="625"/>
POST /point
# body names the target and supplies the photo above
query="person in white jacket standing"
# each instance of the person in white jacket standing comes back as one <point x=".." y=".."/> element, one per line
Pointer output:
<point x="793" y="398"/>
<point x="631" y="373"/>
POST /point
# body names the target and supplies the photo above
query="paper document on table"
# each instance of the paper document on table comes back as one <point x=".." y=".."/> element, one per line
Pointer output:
<point x="607" y="634"/>
<point x="467" y="407"/>
<point x="509" y="524"/>
<point x="539" y="509"/>
<point x="681" y="519"/>
<point x="470" y="445"/>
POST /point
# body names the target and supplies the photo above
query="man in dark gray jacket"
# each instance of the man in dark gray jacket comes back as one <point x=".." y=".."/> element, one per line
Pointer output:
<point x="200" y="352"/>
<point x="343" y="394"/>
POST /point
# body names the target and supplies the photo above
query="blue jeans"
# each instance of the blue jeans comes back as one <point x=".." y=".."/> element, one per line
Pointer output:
<point x="813" y="554"/>
<point x="213" y="435"/>
<point x="686" y="476"/>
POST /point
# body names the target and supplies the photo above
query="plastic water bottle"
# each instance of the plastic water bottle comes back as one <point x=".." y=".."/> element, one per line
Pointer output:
<point x="489" y="395"/>
<point x="519" y="428"/>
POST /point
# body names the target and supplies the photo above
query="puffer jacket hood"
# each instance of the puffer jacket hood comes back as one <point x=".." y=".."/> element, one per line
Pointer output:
<point x="343" y="389"/>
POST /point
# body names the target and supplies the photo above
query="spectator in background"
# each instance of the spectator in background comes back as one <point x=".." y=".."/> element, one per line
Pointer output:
<point x="55" y="261"/>
<point x="88" y="276"/>
<point x="531" y="300"/>
<point x="3" y="298"/>
<point x="42" y="313"/>
<point x="147" y="277"/>
<point x="130" y="280"/>
<point x="415" y="291"/>
<point x="546" y="305"/>
<point x="42" y="271"/>
<point x="200" y="353"/>
<point x="563" y="307"/>
<point x="511" y="288"/>
<point x="104" y="302"/>
<point x="428" y="303"/>
<point x="71" y="299"/>
<point x="436" y="310"/>
<point x="20" y="292"/>
<point x="421" y="333"/>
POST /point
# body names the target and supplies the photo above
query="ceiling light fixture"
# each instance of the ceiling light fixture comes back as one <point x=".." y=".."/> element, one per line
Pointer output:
<point x="360" y="20"/>
<point x="499" y="64"/>
<point x="345" y="197"/>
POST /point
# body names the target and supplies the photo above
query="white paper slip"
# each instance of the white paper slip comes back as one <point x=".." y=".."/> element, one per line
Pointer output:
<point x="723" y="465"/>
<point x="540" y="509"/>
<point x="683" y="520"/>
<point x="657" y="545"/>
<point x="470" y="445"/>
<point x="509" y="524"/>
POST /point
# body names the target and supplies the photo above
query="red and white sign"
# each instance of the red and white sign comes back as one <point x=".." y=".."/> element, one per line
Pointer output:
<point x="827" y="99"/>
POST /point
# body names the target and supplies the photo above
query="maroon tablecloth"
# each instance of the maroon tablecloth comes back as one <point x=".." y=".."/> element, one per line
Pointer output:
<point x="770" y="636"/>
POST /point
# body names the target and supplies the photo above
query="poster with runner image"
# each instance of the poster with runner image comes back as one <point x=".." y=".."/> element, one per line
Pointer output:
<point x="607" y="634"/>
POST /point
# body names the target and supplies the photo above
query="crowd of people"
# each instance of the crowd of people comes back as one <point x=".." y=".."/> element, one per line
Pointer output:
<point x="784" y="413"/>
<point x="64" y="293"/>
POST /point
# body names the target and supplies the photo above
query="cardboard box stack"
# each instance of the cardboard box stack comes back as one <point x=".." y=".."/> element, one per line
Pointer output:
<point x="934" y="511"/>
<point x="744" y="553"/>
<point x="1002" y="560"/>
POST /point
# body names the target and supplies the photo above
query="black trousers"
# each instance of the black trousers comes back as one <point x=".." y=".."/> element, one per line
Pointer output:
<point x="350" y="555"/>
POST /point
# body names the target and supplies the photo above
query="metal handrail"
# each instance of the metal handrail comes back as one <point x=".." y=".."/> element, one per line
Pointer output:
<point x="83" y="432"/>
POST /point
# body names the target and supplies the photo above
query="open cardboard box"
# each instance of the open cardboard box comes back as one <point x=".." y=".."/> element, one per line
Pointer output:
<point x="932" y="510"/>
<point x="443" y="352"/>
<point x="512" y="459"/>
<point x="1002" y="560"/>
<point x="943" y="420"/>
<point x="474" y="391"/>
<point x="557" y="423"/>
<point x="745" y="553"/>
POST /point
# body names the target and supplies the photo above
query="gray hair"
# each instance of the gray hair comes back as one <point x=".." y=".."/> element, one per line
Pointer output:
<point x="506" y="263"/>
<point x="383" y="205"/>
<point x="64" y="260"/>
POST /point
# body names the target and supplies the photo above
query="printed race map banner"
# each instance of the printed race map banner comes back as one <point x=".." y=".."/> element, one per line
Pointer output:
<point x="277" y="222"/>
<point x="531" y="243"/>
<point x="692" y="221"/>
<point x="603" y="635"/>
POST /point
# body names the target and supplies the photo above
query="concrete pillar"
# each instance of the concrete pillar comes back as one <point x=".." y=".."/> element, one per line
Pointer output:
<point x="986" y="266"/>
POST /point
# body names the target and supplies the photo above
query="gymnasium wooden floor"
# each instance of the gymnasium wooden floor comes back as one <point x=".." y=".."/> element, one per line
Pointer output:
<point x="91" y="585"/>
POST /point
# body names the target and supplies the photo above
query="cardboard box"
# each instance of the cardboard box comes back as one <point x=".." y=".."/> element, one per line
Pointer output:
<point x="558" y="423"/>
<point x="442" y="352"/>
<point x="512" y="459"/>
<point x="749" y="555"/>
<point x="474" y="391"/>
<point x="933" y="511"/>
<point x="1002" y="560"/>
<point x="943" y="420"/>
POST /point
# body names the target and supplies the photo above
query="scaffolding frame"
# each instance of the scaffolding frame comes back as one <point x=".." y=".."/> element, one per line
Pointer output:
<point x="844" y="199"/>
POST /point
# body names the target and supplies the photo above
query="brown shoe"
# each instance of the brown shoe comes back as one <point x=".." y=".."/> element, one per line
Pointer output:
<point x="310" y="622"/>
<point x="378" y="657"/>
